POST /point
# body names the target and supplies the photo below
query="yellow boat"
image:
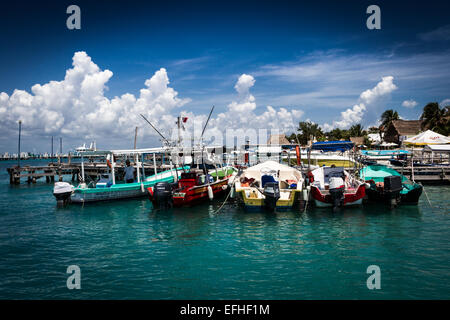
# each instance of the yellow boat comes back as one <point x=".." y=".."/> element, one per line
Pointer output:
<point x="269" y="186"/>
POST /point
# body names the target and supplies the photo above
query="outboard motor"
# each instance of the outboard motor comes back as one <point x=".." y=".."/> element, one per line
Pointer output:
<point x="162" y="195"/>
<point x="392" y="188"/>
<point x="62" y="192"/>
<point x="272" y="194"/>
<point x="337" y="192"/>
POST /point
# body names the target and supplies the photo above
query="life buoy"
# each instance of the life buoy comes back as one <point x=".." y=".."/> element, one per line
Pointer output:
<point x="108" y="163"/>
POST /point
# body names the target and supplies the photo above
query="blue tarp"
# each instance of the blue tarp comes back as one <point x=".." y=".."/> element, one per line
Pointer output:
<point x="333" y="145"/>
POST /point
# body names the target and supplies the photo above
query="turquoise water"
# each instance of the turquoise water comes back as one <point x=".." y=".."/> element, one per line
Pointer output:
<point x="127" y="251"/>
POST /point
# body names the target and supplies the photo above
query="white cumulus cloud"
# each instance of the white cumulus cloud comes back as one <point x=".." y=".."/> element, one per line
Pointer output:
<point x="241" y="113"/>
<point x="409" y="103"/>
<point x="370" y="96"/>
<point x="77" y="108"/>
<point x="444" y="103"/>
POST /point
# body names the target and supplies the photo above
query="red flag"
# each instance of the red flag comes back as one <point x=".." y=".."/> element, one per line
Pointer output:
<point x="297" y="151"/>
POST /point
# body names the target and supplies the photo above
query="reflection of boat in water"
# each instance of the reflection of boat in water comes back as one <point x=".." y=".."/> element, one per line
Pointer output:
<point x="192" y="188"/>
<point x="335" y="187"/>
<point x="269" y="185"/>
<point x="389" y="186"/>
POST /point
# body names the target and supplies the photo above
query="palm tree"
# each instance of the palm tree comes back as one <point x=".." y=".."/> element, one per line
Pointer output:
<point x="356" y="130"/>
<point x="387" y="117"/>
<point x="374" y="130"/>
<point x="308" y="130"/>
<point x="436" y="119"/>
<point x="335" y="134"/>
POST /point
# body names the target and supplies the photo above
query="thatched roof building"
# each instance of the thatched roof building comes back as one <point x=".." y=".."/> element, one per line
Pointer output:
<point x="400" y="130"/>
<point x="278" y="139"/>
<point x="357" y="140"/>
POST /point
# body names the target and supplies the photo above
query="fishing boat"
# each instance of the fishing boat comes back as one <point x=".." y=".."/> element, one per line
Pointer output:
<point x="377" y="155"/>
<point x="106" y="187"/>
<point x="269" y="186"/>
<point x="387" y="185"/>
<point x="105" y="190"/>
<point x="192" y="188"/>
<point x="330" y="153"/>
<point x="335" y="187"/>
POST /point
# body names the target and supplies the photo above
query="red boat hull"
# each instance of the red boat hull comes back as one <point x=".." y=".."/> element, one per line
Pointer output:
<point x="198" y="194"/>
<point x="350" y="198"/>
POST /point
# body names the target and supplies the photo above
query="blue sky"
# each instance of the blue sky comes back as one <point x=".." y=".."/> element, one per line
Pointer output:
<point x="314" y="57"/>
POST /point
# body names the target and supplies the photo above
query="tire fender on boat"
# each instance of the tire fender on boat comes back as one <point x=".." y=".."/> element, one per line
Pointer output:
<point x="210" y="193"/>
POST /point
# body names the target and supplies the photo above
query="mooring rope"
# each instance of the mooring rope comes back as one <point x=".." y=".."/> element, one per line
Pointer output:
<point x="231" y="189"/>
<point x="429" y="202"/>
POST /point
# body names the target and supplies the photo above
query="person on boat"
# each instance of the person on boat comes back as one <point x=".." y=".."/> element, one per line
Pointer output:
<point x="129" y="172"/>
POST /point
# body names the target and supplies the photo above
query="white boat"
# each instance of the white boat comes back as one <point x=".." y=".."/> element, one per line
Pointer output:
<point x="335" y="187"/>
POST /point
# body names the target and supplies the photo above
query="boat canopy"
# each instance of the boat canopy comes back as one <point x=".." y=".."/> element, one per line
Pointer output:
<point x="333" y="145"/>
<point x="285" y="172"/>
<point x="378" y="172"/>
<point x="123" y="152"/>
<point x="384" y="152"/>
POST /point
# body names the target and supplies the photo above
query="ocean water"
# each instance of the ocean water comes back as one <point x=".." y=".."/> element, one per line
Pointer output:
<point x="125" y="250"/>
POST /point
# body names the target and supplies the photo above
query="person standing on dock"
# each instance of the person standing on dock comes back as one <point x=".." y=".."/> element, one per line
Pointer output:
<point x="129" y="172"/>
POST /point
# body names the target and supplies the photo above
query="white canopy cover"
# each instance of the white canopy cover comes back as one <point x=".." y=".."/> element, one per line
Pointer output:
<point x="285" y="172"/>
<point x="427" y="137"/>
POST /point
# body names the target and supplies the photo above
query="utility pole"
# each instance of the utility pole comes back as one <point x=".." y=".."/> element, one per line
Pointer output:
<point x="20" y="129"/>
<point x="51" y="154"/>
<point x="179" y="129"/>
<point x="135" y="137"/>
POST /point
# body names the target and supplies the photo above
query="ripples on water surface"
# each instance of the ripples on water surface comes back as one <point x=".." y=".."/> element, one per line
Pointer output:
<point x="126" y="250"/>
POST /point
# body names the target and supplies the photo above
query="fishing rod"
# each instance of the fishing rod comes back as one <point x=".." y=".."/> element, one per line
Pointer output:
<point x="155" y="129"/>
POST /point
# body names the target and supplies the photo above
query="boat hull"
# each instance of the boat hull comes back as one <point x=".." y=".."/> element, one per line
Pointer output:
<point x="350" y="198"/>
<point x="121" y="191"/>
<point x="86" y="196"/>
<point x="329" y="162"/>
<point x="409" y="194"/>
<point x="252" y="204"/>
<point x="406" y="197"/>
<point x="379" y="196"/>
<point x="198" y="194"/>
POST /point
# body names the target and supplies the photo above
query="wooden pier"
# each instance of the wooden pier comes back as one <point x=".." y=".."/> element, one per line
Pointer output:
<point x="426" y="174"/>
<point x="92" y="170"/>
<point x="423" y="174"/>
